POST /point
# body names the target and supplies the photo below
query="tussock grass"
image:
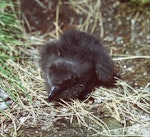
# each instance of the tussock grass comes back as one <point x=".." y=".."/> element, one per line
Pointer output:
<point x="10" y="38"/>
<point x="20" y="76"/>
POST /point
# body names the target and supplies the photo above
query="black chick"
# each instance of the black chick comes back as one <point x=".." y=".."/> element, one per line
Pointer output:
<point x="74" y="65"/>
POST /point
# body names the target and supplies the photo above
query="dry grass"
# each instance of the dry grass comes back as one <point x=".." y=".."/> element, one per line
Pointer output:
<point x="124" y="103"/>
<point x="90" y="9"/>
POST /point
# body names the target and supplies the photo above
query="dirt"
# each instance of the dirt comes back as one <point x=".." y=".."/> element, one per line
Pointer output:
<point x="42" y="18"/>
<point x="126" y="33"/>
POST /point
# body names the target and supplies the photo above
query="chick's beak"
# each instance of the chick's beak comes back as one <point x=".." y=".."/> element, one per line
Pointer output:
<point x="53" y="91"/>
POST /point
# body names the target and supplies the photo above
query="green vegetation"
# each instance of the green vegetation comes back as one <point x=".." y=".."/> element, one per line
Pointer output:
<point x="10" y="40"/>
